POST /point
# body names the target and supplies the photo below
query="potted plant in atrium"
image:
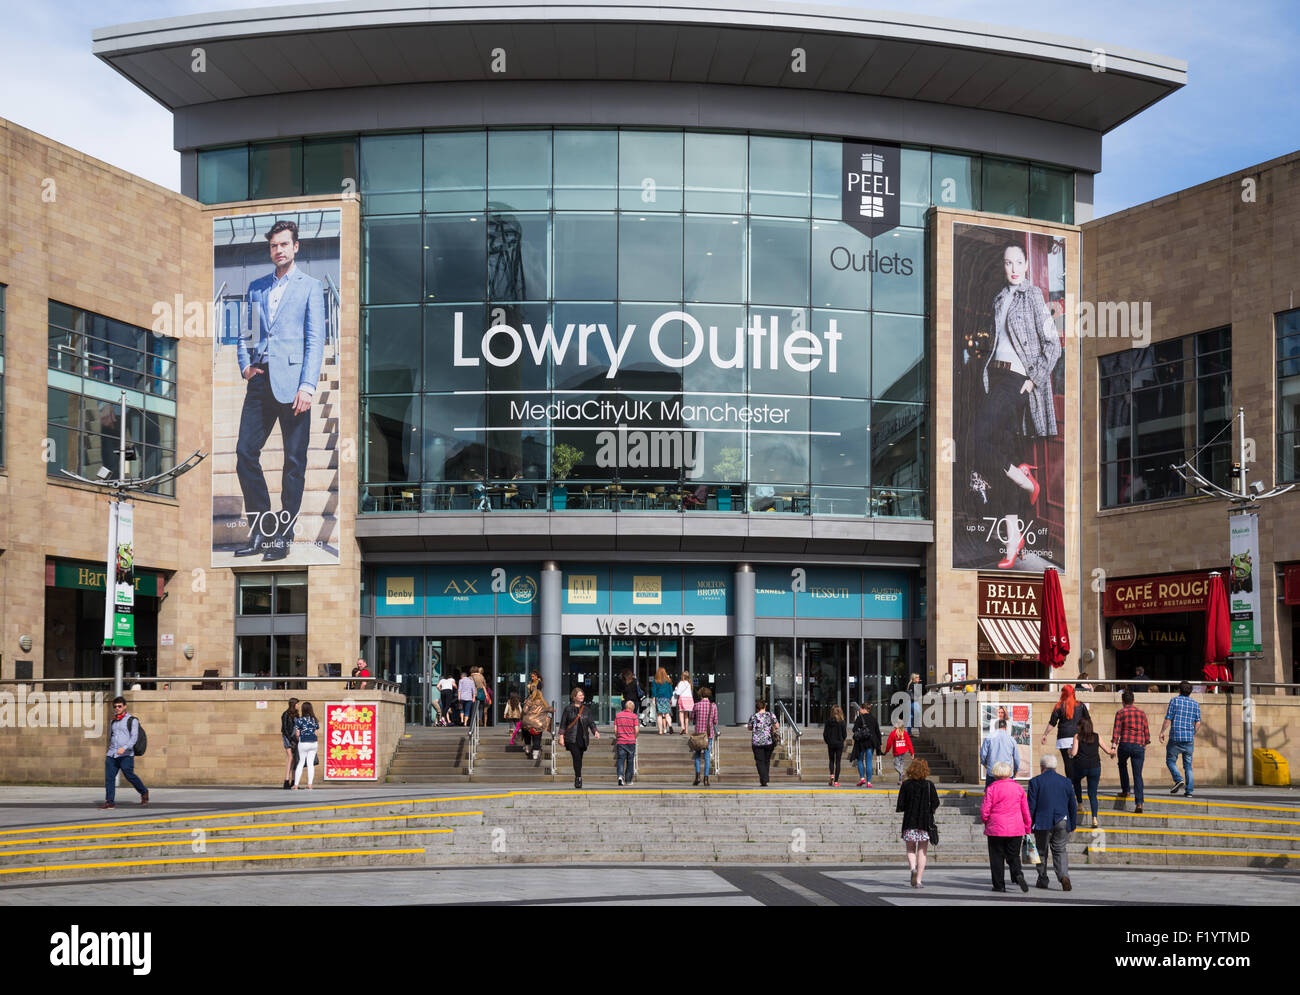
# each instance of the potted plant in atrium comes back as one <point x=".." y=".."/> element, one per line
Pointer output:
<point x="730" y="466"/>
<point x="563" y="459"/>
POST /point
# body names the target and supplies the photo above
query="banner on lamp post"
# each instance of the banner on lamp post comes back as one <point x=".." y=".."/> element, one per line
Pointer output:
<point x="1243" y="583"/>
<point x="110" y="573"/>
<point x="119" y="577"/>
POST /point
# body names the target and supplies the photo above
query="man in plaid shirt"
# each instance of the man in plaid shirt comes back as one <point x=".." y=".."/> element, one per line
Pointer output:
<point x="1130" y="738"/>
<point x="1185" y="717"/>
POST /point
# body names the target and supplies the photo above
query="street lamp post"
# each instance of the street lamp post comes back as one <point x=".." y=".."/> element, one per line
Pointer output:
<point x="116" y="489"/>
<point x="1241" y="501"/>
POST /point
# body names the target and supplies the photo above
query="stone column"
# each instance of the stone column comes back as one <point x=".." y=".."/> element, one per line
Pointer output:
<point x="745" y="641"/>
<point x="551" y="594"/>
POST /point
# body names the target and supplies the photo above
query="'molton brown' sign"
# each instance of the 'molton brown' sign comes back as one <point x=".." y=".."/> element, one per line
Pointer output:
<point x="1154" y="595"/>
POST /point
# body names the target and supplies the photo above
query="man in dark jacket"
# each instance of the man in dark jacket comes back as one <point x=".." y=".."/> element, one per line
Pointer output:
<point x="1053" y="810"/>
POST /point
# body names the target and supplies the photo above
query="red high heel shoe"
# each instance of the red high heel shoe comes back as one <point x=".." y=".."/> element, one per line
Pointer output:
<point x="1010" y="561"/>
<point x="1025" y="468"/>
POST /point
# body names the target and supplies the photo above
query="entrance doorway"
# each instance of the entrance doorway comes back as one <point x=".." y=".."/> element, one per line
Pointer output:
<point x="598" y="664"/>
<point x="808" y="677"/>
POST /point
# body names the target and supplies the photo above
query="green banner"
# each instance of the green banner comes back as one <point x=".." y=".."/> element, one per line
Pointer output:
<point x="123" y="630"/>
<point x="1243" y="583"/>
<point x="90" y="577"/>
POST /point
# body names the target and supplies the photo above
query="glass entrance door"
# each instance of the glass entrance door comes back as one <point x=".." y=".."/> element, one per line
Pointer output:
<point x="401" y="659"/>
<point x="774" y="677"/>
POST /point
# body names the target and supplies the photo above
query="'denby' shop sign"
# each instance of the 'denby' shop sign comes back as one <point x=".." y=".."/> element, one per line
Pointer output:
<point x="1154" y="595"/>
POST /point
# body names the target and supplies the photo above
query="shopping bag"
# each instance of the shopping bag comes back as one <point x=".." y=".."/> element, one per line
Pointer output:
<point x="1030" y="854"/>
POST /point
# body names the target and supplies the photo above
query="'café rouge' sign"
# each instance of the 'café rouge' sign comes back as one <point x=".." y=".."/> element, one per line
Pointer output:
<point x="1155" y="595"/>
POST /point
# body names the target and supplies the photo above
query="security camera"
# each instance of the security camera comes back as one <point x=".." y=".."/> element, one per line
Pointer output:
<point x="1257" y="487"/>
<point x="103" y="473"/>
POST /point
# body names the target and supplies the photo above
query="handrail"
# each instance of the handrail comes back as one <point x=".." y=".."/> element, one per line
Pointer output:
<point x="473" y="742"/>
<point x="552" y="723"/>
<point x="1102" y="685"/>
<point x="787" y="722"/>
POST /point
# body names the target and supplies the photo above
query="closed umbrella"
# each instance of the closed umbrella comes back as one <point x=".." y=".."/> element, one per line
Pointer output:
<point x="1053" y="633"/>
<point x="1218" y="642"/>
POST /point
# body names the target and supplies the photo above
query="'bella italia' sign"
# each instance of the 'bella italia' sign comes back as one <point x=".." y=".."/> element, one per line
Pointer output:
<point x="869" y="187"/>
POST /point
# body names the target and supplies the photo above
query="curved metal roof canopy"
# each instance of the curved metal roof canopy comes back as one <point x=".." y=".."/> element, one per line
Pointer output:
<point x="325" y="46"/>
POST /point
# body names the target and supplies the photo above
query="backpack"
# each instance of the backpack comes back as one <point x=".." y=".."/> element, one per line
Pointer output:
<point x="141" y="739"/>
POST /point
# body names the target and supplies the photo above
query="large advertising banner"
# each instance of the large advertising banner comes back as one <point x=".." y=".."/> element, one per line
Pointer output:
<point x="1008" y="399"/>
<point x="1243" y="590"/>
<point x="275" y="389"/>
<point x="119" y="577"/>
<point x="1019" y="718"/>
<point x="351" y="742"/>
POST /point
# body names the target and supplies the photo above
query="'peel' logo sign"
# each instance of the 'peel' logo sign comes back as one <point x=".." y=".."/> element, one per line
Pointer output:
<point x="869" y="189"/>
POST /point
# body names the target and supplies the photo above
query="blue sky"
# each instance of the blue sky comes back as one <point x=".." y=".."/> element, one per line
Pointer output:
<point x="1241" y="105"/>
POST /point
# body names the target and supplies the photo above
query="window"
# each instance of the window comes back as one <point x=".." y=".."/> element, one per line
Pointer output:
<point x="1288" y="394"/>
<point x="1160" y="406"/>
<point x="2" y="374"/>
<point x="92" y="360"/>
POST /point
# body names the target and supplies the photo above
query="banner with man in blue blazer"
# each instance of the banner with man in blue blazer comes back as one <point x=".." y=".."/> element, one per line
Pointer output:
<point x="273" y="415"/>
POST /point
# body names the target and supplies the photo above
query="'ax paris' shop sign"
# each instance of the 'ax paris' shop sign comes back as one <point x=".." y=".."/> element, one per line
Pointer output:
<point x="869" y="187"/>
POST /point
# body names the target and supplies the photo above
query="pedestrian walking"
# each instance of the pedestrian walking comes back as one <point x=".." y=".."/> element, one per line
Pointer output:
<point x="1053" y="813"/>
<point x="1085" y="756"/>
<point x="576" y="729"/>
<point x="684" y="699"/>
<point x="534" y="719"/>
<point x="1182" y="722"/>
<point x="662" y="689"/>
<point x="914" y="690"/>
<point x="512" y="713"/>
<point x="305" y="726"/>
<point x="834" y="734"/>
<point x="918" y="801"/>
<point x="1065" y="719"/>
<point x="1005" y="814"/>
<point x="762" y="725"/>
<point x="465" y="691"/>
<point x="447" y="693"/>
<point x="866" y="744"/>
<point x="1129" y="738"/>
<point x="899" y="744"/>
<point x="290" y="743"/>
<point x="123" y="735"/>
<point x="704" y="718"/>
<point x="626" y="724"/>
<point x="999" y="748"/>
<point x="482" y="697"/>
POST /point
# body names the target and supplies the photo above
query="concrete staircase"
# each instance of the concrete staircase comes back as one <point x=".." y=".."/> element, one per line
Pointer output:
<point x="620" y="825"/>
<point x="1184" y="831"/>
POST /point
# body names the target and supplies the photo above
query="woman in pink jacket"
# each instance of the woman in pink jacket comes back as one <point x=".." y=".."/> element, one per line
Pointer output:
<point x="1005" y="813"/>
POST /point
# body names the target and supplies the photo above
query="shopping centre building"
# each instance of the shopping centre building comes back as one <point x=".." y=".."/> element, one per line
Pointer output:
<point x="740" y="343"/>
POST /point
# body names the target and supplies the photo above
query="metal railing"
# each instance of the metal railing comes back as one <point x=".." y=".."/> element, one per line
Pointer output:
<point x="204" y="682"/>
<point x="554" y="764"/>
<point x="1105" y="685"/>
<point x="473" y="742"/>
<point x="791" y="737"/>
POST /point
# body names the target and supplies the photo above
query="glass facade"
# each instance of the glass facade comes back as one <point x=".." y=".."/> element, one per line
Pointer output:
<point x="658" y="320"/>
<point x="92" y="359"/>
<point x="1162" y="405"/>
<point x="637" y="319"/>
<point x="1287" y="324"/>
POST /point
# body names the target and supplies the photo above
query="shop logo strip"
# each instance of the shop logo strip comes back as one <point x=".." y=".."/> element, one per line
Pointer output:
<point x="869" y="187"/>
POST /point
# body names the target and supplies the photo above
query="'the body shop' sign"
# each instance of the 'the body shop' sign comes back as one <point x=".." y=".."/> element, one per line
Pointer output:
<point x="869" y="191"/>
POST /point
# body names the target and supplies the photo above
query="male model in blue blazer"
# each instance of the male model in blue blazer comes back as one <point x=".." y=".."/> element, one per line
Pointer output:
<point x="280" y="360"/>
<point x="1053" y="809"/>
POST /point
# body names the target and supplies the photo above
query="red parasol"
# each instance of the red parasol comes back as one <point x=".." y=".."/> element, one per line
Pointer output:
<point x="1053" y="633"/>
<point x="1217" y="641"/>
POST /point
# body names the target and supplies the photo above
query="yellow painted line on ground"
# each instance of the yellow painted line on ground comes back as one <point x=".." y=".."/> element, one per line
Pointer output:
<point x="1188" y="832"/>
<point x="237" y="839"/>
<point x="239" y="815"/>
<point x="204" y="860"/>
<point x="1216" y="818"/>
<point x="1200" y="853"/>
<point x="226" y="829"/>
